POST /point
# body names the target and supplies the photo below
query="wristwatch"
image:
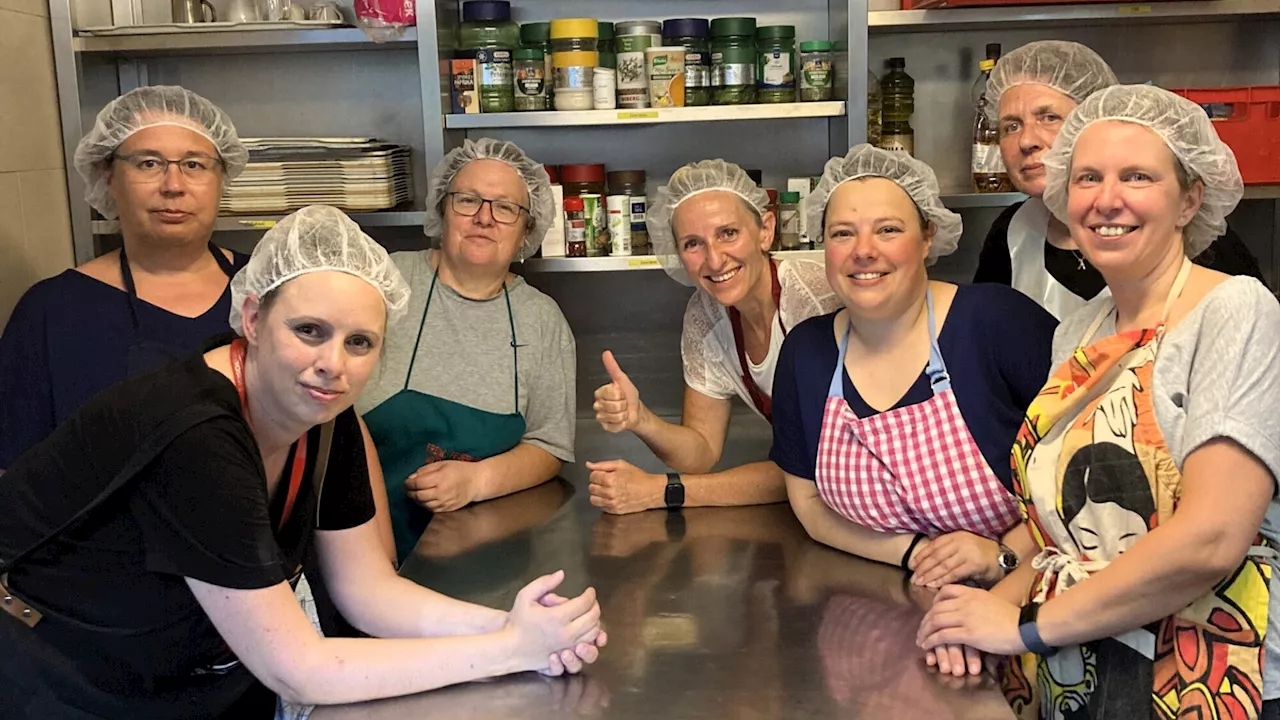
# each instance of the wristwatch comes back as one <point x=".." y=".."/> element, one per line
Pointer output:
<point x="1030" y="632"/>
<point x="675" y="492"/>
<point x="1007" y="558"/>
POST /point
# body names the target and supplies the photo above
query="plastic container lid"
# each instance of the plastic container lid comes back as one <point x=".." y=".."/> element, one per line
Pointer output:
<point x="776" y="31"/>
<point x="789" y="197"/>
<point x="686" y="27"/>
<point x="815" y="46"/>
<point x="604" y="30"/>
<point x="618" y="178"/>
<point x="529" y="54"/>
<point x="574" y="28"/>
<point x="581" y="173"/>
<point x="773" y="196"/>
<point x="638" y="27"/>
<point x="724" y="27"/>
<point x="573" y="202"/>
<point x="486" y="10"/>
<point x="553" y="172"/>
<point x="535" y="33"/>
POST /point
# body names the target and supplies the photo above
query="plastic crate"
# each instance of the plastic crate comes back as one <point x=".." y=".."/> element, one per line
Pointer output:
<point x="1248" y="121"/>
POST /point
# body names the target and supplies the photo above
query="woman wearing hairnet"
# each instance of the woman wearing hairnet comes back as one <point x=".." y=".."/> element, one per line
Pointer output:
<point x="476" y="397"/>
<point x="149" y="543"/>
<point x="1149" y="459"/>
<point x="893" y="416"/>
<point x="158" y="159"/>
<point x="710" y="229"/>
<point x="1031" y="92"/>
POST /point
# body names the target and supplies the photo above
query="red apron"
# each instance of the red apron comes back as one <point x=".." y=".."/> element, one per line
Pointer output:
<point x="761" y="399"/>
<point x="914" y="469"/>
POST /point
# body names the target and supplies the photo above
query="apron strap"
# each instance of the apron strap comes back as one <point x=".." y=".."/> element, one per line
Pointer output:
<point x="131" y="289"/>
<point x="435" y="275"/>
<point x="936" y="369"/>
<point x="515" y="354"/>
<point x="1107" y="308"/>
<point x="762" y="402"/>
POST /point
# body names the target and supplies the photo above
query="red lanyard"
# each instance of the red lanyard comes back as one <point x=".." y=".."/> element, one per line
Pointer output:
<point x="239" y="347"/>
<point x="763" y="403"/>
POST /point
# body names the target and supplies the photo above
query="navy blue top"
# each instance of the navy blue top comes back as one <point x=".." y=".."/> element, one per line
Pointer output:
<point x="69" y="338"/>
<point x="996" y="343"/>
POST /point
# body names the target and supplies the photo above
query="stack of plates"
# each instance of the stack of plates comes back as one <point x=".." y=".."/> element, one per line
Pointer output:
<point x="353" y="174"/>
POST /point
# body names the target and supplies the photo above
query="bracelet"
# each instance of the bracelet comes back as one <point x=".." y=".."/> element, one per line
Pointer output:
<point x="906" y="557"/>
<point x="1029" y="631"/>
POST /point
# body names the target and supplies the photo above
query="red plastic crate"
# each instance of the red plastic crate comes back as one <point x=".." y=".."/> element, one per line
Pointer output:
<point x="1248" y="121"/>
<point x="936" y="4"/>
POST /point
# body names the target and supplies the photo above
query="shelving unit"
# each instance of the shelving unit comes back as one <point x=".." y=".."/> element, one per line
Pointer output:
<point x="720" y="113"/>
<point x="1061" y="16"/>
<point x="385" y="218"/>
<point x="628" y="262"/>
<point x="237" y="42"/>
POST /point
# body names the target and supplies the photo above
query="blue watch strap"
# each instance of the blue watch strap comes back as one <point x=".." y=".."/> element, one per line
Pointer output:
<point x="1030" y="632"/>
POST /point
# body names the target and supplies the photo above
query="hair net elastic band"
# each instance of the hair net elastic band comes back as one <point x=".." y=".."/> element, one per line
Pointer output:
<point x="172" y="123"/>
<point x="703" y="191"/>
<point x="323" y="268"/>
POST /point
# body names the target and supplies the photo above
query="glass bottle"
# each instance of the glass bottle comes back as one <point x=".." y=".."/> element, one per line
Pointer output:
<point x="897" y="97"/>
<point x="989" y="174"/>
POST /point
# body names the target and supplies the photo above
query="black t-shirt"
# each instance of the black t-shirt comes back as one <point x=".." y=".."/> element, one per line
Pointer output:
<point x="118" y="615"/>
<point x="1228" y="254"/>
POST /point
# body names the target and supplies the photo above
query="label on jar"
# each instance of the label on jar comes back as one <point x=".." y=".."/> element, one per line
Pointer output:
<point x="574" y="77"/>
<point x="633" y="76"/>
<point x="789" y="221"/>
<point x="605" y="88"/>
<point x="639" y="210"/>
<point x="575" y="237"/>
<point x="816" y="74"/>
<point x="697" y="70"/>
<point x="899" y="143"/>
<point x="986" y="158"/>
<point x="725" y="74"/>
<point x="619" y="232"/>
<point x="494" y="68"/>
<point x="530" y="81"/>
<point x="775" y="70"/>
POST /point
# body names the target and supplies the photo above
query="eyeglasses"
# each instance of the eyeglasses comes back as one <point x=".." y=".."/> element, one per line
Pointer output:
<point x="198" y="169"/>
<point x="469" y="205"/>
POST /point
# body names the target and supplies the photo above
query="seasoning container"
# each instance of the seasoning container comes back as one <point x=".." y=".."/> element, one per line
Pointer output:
<point x="775" y="72"/>
<point x="604" y="82"/>
<point x="488" y="34"/>
<point x="531" y="80"/>
<point x="596" y="214"/>
<point x="574" y="54"/>
<point x="815" y="71"/>
<point x="462" y="95"/>
<point x="694" y="35"/>
<point x="789" y="220"/>
<point x="733" y="61"/>
<point x="580" y="179"/>
<point x="630" y="183"/>
<point x="619" y="207"/>
<point x="575" y="227"/>
<point x="538" y="35"/>
<point x="633" y="37"/>
<point x="666" y="76"/>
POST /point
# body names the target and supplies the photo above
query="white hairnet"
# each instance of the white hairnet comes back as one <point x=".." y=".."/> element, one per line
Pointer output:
<point x="1184" y="127"/>
<point x="542" y="206"/>
<point x="694" y="179"/>
<point x="314" y="239"/>
<point x="149" y="107"/>
<point x="913" y="176"/>
<point x="1070" y="68"/>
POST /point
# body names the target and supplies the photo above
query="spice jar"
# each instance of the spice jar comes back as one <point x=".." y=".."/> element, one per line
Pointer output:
<point x="574" y="54"/>
<point x="733" y="61"/>
<point x="488" y="34"/>
<point x="789" y="220"/>
<point x="631" y="183"/>
<point x="604" y="83"/>
<point x="775" y="73"/>
<point x="694" y="35"/>
<point x="597" y="217"/>
<point x="531" y="80"/>
<point x="575" y="227"/>
<point x="581" y="179"/>
<point x="538" y="35"/>
<point x="815" y="71"/>
<point x="633" y="38"/>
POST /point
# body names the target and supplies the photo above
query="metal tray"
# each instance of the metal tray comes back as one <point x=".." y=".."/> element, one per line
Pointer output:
<point x="173" y="28"/>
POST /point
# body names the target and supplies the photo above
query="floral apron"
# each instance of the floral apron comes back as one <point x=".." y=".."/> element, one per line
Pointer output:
<point x="1093" y="475"/>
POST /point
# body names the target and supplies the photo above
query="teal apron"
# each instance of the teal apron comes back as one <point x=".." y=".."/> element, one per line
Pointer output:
<point x="412" y="429"/>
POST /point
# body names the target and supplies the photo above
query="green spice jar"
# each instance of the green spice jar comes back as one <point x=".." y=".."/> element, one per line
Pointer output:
<point x="775" y="70"/>
<point x="531" y="80"/>
<point x="605" y="46"/>
<point x="694" y="35"/>
<point x="815" y="71"/>
<point x="733" y="61"/>
<point x="488" y="34"/>
<point x="538" y="35"/>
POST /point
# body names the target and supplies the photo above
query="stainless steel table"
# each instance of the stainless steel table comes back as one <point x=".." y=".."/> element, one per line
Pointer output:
<point x="742" y="617"/>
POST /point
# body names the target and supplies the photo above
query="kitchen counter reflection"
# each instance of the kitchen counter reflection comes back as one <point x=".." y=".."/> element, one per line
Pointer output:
<point x="741" y="617"/>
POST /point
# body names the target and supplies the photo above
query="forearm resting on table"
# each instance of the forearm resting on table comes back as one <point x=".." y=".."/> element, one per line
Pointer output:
<point x="758" y="483"/>
<point x="519" y="468"/>
<point x="1178" y="562"/>
<point x="694" y="445"/>
<point x="827" y="526"/>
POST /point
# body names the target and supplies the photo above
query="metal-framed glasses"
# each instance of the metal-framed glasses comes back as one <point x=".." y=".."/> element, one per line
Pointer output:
<point x="151" y="168"/>
<point x="468" y="205"/>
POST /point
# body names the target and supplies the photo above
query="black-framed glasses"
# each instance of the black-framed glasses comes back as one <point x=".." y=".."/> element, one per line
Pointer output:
<point x="503" y="211"/>
<point x="151" y="168"/>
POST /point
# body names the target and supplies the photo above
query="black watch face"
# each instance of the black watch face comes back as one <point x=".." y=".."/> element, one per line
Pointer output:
<point x="675" y="495"/>
<point x="1008" y="559"/>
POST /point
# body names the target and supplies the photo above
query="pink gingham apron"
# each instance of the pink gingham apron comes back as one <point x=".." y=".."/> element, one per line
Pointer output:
<point x="914" y="469"/>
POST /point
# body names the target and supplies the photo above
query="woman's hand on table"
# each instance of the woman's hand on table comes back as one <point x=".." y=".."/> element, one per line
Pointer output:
<point x="969" y="616"/>
<point x="553" y="634"/>
<point x="617" y="404"/>
<point x="445" y="485"/>
<point x="619" y="487"/>
<point x="955" y="557"/>
<point x="571" y="660"/>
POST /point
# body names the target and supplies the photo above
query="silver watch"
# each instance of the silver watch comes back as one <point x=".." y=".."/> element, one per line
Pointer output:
<point x="1007" y="558"/>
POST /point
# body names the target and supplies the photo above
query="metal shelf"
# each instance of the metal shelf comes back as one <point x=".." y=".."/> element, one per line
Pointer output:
<point x="1054" y="16"/>
<point x="238" y="42"/>
<point x="1262" y="192"/>
<point x="713" y="113"/>
<point x="627" y="262"/>
<point x="384" y="218"/>
<point x="960" y="201"/>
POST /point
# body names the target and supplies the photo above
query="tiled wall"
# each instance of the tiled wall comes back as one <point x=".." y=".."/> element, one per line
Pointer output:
<point x="35" y="230"/>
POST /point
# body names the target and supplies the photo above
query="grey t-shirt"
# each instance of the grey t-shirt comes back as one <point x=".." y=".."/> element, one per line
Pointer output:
<point x="1217" y="375"/>
<point x="465" y="355"/>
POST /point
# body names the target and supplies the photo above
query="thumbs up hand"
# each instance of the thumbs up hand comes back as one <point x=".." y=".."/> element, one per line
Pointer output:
<point x="617" y="404"/>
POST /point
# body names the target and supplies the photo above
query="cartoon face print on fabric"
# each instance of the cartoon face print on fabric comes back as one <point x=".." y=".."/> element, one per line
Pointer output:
<point x="1106" y="501"/>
